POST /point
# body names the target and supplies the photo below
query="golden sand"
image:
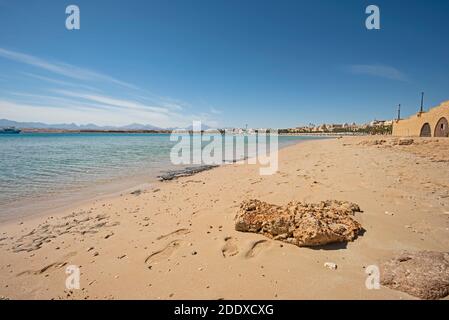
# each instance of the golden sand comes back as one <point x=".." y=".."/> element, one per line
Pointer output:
<point x="177" y="240"/>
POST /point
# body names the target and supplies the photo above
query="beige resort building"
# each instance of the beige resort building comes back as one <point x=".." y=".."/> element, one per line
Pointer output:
<point x="432" y="123"/>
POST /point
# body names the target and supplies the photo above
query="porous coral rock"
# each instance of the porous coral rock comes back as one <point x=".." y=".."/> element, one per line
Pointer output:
<point x="302" y="224"/>
<point x="423" y="274"/>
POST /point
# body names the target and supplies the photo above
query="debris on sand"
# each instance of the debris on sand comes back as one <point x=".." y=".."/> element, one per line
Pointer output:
<point x="137" y="192"/>
<point x="301" y="224"/>
<point x="389" y="142"/>
<point x="423" y="274"/>
<point x="186" y="172"/>
<point x="404" y="142"/>
<point x="330" y="265"/>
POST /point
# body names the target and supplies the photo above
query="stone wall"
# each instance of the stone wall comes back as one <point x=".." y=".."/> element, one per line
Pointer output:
<point x="432" y="123"/>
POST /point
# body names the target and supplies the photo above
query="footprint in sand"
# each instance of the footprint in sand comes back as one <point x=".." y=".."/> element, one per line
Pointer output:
<point x="48" y="268"/>
<point x="230" y="248"/>
<point x="56" y="265"/>
<point x="164" y="253"/>
<point x="256" y="247"/>
<point x="178" y="232"/>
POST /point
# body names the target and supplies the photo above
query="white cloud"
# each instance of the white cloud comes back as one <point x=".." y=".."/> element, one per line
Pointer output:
<point x="377" y="71"/>
<point x="215" y="111"/>
<point x="79" y="100"/>
<point x="84" y="109"/>
<point x="64" y="69"/>
<point x="126" y="104"/>
<point x="51" y="112"/>
<point x="59" y="82"/>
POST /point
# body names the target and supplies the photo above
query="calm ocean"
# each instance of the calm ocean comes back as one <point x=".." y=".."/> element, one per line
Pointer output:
<point x="36" y="167"/>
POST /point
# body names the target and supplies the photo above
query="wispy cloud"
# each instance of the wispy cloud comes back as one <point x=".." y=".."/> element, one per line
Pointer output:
<point x="59" y="82"/>
<point x="381" y="71"/>
<point x="53" y="113"/>
<point x="64" y="69"/>
<point x="51" y="109"/>
<point x="127" y="104"/>
<point x="215" y="111"/>
<point x="73" y="95"/>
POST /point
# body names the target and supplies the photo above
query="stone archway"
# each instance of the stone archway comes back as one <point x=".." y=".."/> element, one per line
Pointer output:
<point x="442" y="128"/>
<point x="426" y="131"/>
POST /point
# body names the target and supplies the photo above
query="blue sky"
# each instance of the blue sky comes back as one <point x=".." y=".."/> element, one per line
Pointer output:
<point x="227" y="63"/>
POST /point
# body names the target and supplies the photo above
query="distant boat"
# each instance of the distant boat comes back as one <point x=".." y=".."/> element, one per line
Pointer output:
<point x="10" y="130"/>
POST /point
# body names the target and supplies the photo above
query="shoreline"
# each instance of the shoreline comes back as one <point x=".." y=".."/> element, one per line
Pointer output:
<point x="106" y="190"/>
<point x="180" y="242"/>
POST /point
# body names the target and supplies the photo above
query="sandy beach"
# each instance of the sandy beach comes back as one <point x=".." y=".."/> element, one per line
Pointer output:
<point x="177" y="239"/>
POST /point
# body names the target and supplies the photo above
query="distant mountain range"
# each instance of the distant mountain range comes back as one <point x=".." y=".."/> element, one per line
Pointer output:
<point x="90" y="126"/>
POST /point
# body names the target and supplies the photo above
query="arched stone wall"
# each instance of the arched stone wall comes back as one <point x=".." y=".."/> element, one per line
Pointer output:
<point x="413" y="126"/>
<point x="426" y="130"/>
<point x="442" y="128"/>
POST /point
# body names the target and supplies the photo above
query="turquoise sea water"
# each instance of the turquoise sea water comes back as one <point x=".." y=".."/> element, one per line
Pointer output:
<point x="40" y="166"/>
